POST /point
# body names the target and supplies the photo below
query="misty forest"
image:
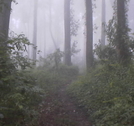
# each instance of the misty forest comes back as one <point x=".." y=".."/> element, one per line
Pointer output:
<point x="66" y="63"/>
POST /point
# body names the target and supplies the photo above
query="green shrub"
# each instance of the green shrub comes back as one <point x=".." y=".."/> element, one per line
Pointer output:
<point x="107" y="93"/>
<point x="53" y="73"/>
<point x="19" y="92"/>
<point x="22" y="89"/>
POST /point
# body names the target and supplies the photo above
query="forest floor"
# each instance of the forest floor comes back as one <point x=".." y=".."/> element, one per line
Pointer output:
<point x="61" y="110"/>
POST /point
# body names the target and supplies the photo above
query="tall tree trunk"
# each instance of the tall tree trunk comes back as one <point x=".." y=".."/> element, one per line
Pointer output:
<point x="67" y="45"/>
<point x="4" y="19"/>
<point x="5" y="8"/>
<point x="89" y="34"/>
<point x="50" y="27"/>
<point x="35" y="30"/>
<point x="103" y="22"/>
<point x="122" y="33"/>
<point x="45" y="34"/>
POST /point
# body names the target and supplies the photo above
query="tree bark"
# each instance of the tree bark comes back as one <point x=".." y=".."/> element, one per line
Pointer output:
<point x="4" y="19"/>
<point x="89" y="34"/>
<point x="67" y="45"/>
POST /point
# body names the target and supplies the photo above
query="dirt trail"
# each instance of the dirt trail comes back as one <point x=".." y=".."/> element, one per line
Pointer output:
<point x="59" y="110"/>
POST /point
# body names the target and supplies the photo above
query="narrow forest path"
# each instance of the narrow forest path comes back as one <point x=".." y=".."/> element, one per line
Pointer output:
<point x="60" y="110"/>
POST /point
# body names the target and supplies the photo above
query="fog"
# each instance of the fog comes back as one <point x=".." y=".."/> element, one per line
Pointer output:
<point x="50" y="24"/>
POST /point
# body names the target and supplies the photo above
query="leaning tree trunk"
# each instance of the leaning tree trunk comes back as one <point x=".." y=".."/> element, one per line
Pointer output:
<point x="103" y="22"/>
<point x="4" y="19"/>
<point x="89" y="34"/>
<point x="35" y="30"/>
<point x="67" y="45"/>
<point x="122" y="33"/>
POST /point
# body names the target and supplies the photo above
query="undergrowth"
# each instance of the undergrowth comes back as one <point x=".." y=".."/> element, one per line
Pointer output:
<point x="51" y="75"/>
<point x="19" y="92"/>
<point x="23" y="86"/>
<point x="107" y="94"/>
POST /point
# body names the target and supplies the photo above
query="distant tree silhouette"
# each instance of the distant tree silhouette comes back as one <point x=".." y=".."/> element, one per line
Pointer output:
<point x="89" y="34"/>
<point x="67" y="46"/>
